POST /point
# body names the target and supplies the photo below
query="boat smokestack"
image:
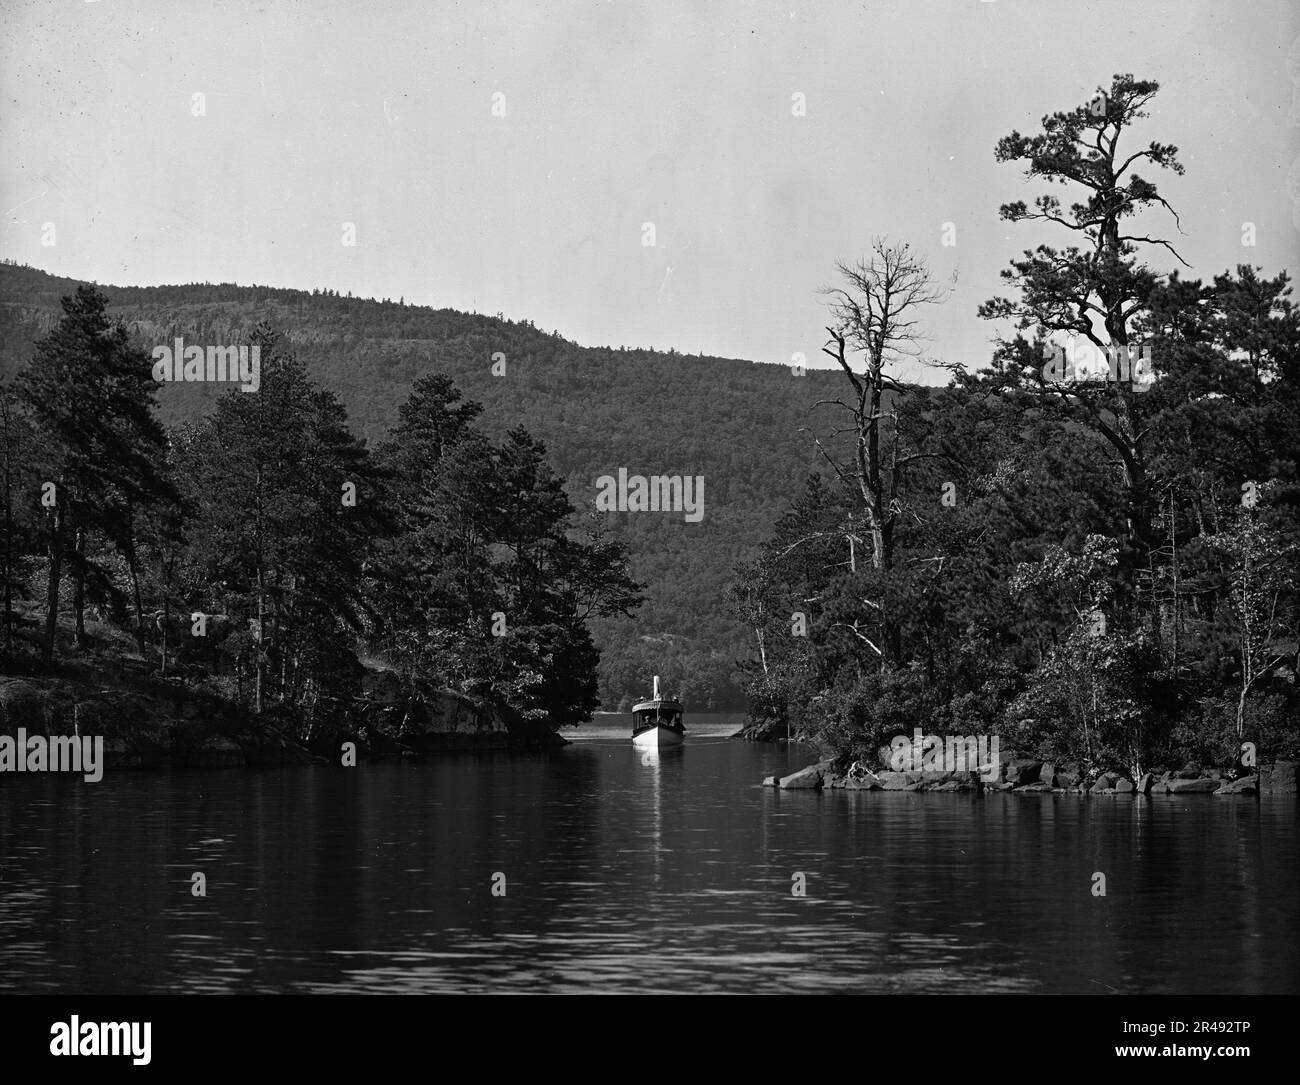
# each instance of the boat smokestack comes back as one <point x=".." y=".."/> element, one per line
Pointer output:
<point x="656" y="696"/>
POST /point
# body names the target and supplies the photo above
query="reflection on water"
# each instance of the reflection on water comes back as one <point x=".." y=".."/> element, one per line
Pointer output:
<point x="631" y="870"/>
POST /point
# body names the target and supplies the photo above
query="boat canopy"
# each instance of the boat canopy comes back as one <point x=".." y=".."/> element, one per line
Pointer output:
<point x="664" y="706"/>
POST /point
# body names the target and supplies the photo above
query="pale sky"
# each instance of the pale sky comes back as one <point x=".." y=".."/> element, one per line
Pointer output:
<point x="617" y="114"/>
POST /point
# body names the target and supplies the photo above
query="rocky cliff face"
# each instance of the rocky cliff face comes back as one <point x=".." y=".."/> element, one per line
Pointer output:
<point x="452" y="721"/>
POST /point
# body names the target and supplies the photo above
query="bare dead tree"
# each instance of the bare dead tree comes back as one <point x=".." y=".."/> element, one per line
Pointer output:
<point x="875" y="313"/>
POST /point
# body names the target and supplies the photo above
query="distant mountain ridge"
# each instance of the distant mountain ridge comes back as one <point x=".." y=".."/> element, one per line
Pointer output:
<point x="736" y="423"/>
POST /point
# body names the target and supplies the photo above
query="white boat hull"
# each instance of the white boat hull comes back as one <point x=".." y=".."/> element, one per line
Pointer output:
<point x="658" y="738"/>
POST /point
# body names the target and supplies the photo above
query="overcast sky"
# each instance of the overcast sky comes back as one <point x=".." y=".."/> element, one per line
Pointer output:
<point x="617" y="114"/>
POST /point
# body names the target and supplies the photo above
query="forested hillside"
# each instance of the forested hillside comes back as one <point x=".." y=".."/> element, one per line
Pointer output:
<point x="735" y="423"/>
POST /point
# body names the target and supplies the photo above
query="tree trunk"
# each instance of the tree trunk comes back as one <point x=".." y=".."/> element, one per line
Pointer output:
<point x="6" y="434"/>
<point x="79" y="588"/>
<point x="261" y="601"/>
<point x="134" y="566"/>
<point x="261" y="641"/>
<point x="56" y="572"/>
<point x="9" y="555"/>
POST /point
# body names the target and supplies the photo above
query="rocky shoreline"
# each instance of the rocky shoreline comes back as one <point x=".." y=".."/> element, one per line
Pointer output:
<point x="1024" y="775"/>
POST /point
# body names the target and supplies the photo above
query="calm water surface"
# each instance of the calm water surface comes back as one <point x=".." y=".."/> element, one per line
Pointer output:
<point x="628" y="872"/>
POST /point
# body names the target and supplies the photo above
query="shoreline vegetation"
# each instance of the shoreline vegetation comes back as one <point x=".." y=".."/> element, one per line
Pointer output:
<point x="260" y="587"/>
<point x="1089" y="548"/>
<point x="148" y="722"/>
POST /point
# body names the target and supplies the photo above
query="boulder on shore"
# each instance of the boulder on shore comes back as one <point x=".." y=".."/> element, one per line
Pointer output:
<point x="805" y="779"/>
<point x="939" y="780"/>
<point x="764" y="730"/>
<point x="1278" y="779"/>
<point x="1247" y="785"/>
<point x="1023" y="771"/>
<point x="861" y="778"/>
<point x="1201" y="785"/>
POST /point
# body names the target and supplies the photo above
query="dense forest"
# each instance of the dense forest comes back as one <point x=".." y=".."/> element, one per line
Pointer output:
<point x="1094" y="553"/>
<point x="736" y="423"/>
<point x="263" y="552"/>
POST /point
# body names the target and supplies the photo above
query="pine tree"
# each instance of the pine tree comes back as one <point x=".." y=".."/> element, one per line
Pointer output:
<point x="90" y="391"/>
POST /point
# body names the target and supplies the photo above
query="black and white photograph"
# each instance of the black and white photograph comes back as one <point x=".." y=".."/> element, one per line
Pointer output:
<point x="616" y="498"/>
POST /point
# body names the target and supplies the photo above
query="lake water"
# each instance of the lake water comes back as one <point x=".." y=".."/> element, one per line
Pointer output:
<point x="635" y="873"/>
